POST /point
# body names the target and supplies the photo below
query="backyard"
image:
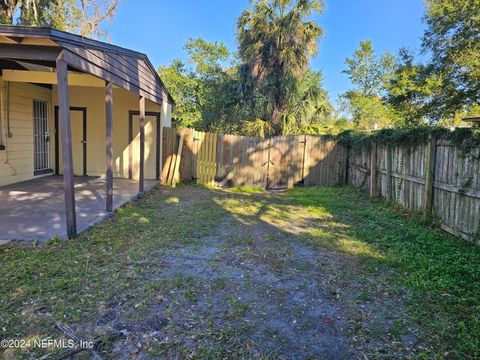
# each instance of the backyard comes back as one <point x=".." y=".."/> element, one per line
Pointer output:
<point x="197" y="272"/>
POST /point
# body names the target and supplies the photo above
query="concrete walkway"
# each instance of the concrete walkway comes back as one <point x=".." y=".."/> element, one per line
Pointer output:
<point x="35" y="210"/>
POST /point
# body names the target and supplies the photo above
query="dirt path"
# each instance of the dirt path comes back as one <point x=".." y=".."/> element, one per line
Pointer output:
<point x="252" y="288"/>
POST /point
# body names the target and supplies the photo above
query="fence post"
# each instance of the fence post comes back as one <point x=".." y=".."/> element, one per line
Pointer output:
<point x="269" y="146"/>
<point x="195" y="145"/>
<point x="304" y="162"/>
<point x="373" y="170"/>
<point x="388" y="166"/>
<point x="345" y="170"/>
<point x="429" y="175"/>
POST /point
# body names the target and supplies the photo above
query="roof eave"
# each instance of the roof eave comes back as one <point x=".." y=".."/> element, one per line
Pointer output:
<point x="62" y="36"/>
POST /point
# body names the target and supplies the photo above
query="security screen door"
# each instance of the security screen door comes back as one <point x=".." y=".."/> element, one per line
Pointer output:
<point x="41" y="136"/>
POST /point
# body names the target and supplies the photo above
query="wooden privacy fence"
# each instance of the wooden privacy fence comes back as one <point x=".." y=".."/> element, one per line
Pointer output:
<point x="435" y="178"/>
<point x="230" y="160"/>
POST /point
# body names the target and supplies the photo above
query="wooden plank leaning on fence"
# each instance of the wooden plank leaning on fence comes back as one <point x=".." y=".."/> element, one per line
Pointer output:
<point x="168" y="144"/>
<point x="171" y="167"/>
<point x="178" y="159"/>
<point x="173" y="175"/>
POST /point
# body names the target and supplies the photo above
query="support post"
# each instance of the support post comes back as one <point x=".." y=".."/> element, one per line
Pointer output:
<point x="67" y="158"/>
<point x="373" y="170"/>
<point x="429" y="175"/>
<point x="388" y="166"/>
<point x="108" y="144"/>
<point x="142" y="145"/>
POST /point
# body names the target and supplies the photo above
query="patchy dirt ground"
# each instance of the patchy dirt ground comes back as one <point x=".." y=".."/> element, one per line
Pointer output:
<point x="252" y="282"/>
<point x="253" y="289"/>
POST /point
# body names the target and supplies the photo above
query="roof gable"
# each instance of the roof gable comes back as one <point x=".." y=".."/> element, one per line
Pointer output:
<point x="125" y="68"/>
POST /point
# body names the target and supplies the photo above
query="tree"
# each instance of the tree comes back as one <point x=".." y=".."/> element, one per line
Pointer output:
<point x="276" y="41"/>
<point x="367" y="112"/>
<point x="409" y="89"/>
<point x="310" y="108"/>
<point x="208" y="57"/>
<point x="200" y="91"/>
<point x="447" y="87"/>
<point x="29" y="9"/>
<point x="211" y="68"/>
<point x="368" y="72"/>
<point x="183" y="87"/>
<point x="369" y="75"/>
<point x="84" y="17"/>
<point x="452" y="38"/>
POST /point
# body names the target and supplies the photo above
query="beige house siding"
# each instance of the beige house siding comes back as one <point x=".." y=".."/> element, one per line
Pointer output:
<point x="16" y="161"/>
<point x="123" y="101"/>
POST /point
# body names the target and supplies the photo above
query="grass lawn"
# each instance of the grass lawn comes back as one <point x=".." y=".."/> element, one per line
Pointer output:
<point x="203" y="273"/>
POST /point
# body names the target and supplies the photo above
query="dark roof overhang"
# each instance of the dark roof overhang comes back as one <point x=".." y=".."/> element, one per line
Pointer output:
<point x="125" y="68"/>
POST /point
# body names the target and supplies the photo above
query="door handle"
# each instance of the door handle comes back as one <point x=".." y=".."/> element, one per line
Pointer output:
<point x="83" y="141"/>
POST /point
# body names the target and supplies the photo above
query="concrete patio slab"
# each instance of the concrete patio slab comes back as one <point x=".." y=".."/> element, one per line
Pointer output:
<point x="34" y="210"/>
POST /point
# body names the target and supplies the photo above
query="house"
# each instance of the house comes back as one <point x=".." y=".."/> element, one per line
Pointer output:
<point x="80" y="124"/>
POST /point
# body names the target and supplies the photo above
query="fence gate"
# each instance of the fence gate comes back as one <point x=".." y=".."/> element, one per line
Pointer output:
<point x="286" y="160"/>
<point x="242" y="161"/>
<point x="232" y="160"/>
<point x="205" y="148"/>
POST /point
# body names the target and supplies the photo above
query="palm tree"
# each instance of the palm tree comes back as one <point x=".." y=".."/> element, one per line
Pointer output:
<point x="276" y="41"/>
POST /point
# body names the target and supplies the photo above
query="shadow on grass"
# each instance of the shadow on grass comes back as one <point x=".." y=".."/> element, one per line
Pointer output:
<point x="442" y="270"/>
<point x="76" y="282"/>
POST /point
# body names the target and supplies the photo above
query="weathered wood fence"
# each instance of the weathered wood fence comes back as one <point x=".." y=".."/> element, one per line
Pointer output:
<point x="230" y="160"/>
<point x="435" y="178"/>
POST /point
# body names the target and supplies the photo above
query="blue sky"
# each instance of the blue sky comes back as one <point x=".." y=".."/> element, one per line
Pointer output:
<point x="160" y="28"/>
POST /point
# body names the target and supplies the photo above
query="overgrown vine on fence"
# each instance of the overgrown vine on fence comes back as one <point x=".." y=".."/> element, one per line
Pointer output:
<point x="464" y="139"/>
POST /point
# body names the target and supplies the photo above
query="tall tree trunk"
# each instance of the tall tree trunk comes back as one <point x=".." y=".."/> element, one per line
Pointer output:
<point x="278" y="111"/>
<point x="277" y="117"/>
<point x="276" y="121"/>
